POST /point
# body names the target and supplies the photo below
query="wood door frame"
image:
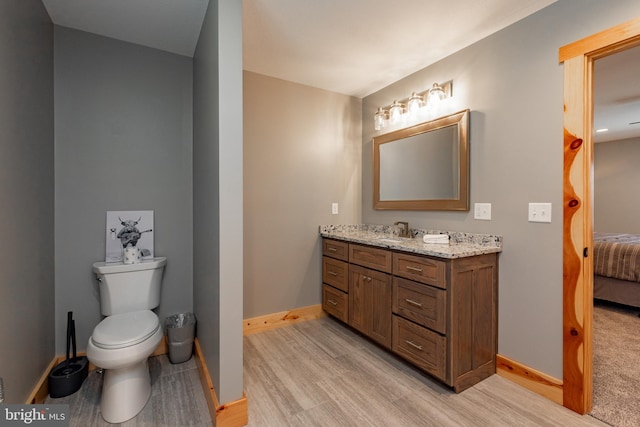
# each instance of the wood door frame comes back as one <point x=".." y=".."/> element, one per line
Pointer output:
<point x="578" y="59"/>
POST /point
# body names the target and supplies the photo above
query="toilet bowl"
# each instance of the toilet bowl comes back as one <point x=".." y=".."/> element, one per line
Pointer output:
<point x="121" y="344"/>
<point x="123" y="341"/>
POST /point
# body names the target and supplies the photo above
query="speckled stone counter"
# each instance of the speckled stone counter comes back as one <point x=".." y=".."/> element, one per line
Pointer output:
<point x="460" y="245"/>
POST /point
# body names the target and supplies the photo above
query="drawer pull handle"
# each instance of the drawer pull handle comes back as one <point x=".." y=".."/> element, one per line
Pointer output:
<point x="333" y="273"/>
<point x="419" y="270"/>
<point x="410" y="301"/>
<point x="332" y="249"/>
<point x="332" y="302"/>
<point x="412" y="344"/>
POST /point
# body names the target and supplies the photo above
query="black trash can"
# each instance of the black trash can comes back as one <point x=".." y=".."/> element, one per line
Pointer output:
<point x="180" y="329"/>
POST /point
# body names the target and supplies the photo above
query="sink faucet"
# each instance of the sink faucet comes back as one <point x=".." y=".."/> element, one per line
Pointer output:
<point x="404" y="229"/>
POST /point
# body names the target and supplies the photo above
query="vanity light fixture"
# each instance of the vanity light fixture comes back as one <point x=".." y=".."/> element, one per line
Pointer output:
<point x="436" y="94"/>
<point x="414" y="104"/>
<point x="396" y="112"/>
<point x="380" y="119"/>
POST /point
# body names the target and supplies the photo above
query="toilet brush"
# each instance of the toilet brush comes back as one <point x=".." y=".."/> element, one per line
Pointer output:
<point x="67" y="377"/>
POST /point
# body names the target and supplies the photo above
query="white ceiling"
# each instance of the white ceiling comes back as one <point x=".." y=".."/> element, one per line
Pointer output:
<point x="170" y="25"/>
<point x="354" y="47"/>
<point x="616" y="88"/>
<point x="357" y="47"/>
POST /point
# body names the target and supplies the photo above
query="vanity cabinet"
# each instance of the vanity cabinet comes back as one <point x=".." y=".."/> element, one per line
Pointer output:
<point x="440" y="314"/>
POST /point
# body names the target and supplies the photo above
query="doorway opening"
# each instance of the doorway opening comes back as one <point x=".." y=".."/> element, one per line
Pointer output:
<point x="578" y="59"/>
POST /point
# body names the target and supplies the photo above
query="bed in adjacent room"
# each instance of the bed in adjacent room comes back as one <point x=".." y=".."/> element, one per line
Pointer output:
<point x="616" y="268"/>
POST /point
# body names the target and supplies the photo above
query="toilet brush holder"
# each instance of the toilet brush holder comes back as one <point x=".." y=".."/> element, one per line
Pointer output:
<point x="67" y="377"/>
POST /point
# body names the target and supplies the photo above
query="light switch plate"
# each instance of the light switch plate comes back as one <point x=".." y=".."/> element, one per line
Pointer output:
<point x="334" y="208"/>
<point x="539" y="212"/>
<point x="482" y="211"/>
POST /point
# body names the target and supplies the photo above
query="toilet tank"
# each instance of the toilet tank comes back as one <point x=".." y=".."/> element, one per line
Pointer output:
<point x="129" y="287"/>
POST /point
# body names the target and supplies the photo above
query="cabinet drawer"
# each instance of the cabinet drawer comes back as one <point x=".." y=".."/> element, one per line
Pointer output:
<point x="335" y="249"/>
<point x="421" y="346"/>
<point x="420" y="269"/>
<point x="335" y="273"/>
<point x="335" y="303"/>
<point x="422" y="304"/>
<point x="366" y="256"/>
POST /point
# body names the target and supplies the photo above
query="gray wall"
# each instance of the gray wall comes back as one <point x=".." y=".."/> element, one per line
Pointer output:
<point x="301" y="153"/>
<point x="26" y="196"/>
<point x="512" y="82"/>
<point x="217" y="188"/>
<point x="123" y="141"/>
<point x="616" y="189"/>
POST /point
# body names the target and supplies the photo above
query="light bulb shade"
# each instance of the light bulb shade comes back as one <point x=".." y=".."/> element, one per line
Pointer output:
<point x="395" y="112"/>
<point x="414" y="104"/>
<point x="436" y="94"/>
<point x="380" y="119"/>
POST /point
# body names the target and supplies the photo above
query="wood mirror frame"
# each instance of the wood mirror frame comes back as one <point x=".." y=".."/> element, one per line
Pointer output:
<point x="459" y="202"/>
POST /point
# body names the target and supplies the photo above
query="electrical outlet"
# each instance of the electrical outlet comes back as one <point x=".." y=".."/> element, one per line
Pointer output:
<point x="539" y="212"/>
<point x="482" y="211"/>
<point x="334" y="208"/>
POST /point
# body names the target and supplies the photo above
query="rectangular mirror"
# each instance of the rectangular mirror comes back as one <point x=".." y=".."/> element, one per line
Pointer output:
<point x="423" y="167"/>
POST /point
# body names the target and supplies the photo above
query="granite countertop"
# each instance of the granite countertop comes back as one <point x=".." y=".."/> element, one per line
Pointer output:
<point x="460" y="245"/>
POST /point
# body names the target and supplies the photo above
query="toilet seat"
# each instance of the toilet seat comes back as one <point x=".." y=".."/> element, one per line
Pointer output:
<point x="125" y="330"/>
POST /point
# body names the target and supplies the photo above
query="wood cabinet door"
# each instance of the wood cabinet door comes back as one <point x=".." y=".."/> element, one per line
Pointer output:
<point x="359" y="306"/>
<point x="370" y="303"/>
<point x="381" y="302"/>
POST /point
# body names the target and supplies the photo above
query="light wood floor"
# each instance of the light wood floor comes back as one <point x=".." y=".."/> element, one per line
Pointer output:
<point x="321" y="373"/>
<point x="177" y="399"/>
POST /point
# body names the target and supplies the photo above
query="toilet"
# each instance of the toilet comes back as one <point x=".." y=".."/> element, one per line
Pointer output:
<point x="123" y="341"/>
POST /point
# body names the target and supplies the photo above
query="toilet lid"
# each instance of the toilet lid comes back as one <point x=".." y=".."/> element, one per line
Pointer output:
<point x="125" y="330"/>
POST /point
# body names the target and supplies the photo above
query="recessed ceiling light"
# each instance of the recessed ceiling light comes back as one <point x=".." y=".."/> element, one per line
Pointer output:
<point x="601" y="130"/>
